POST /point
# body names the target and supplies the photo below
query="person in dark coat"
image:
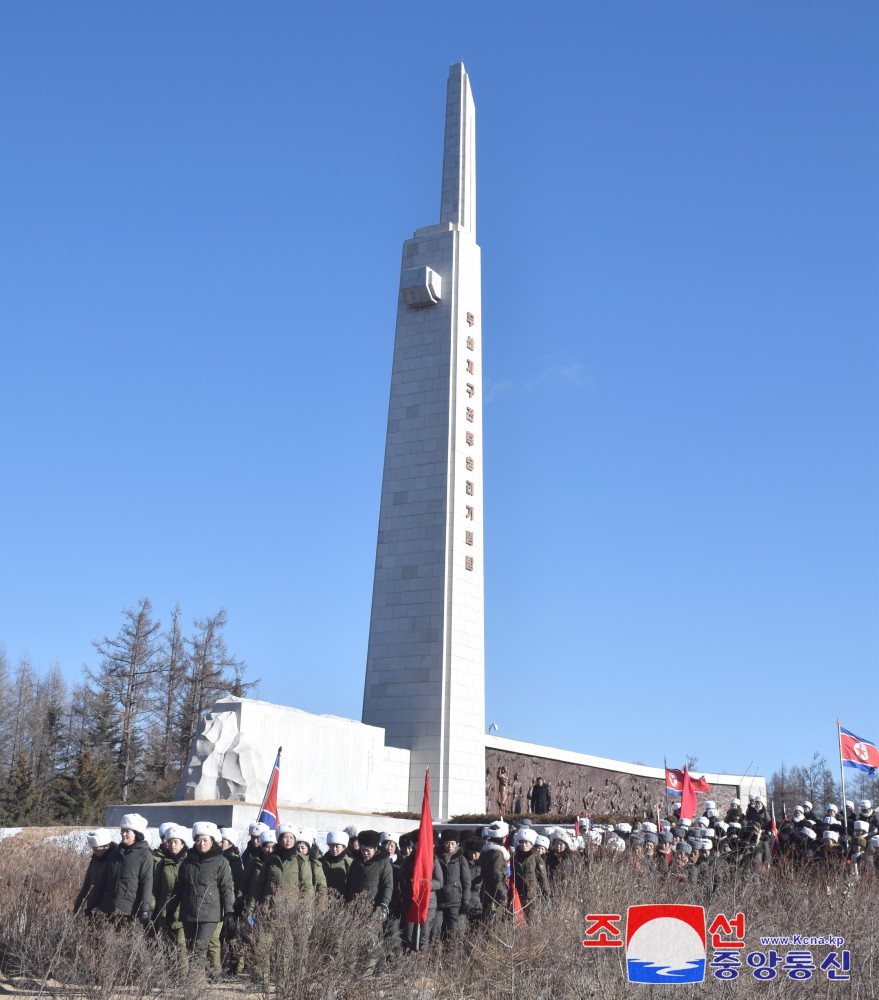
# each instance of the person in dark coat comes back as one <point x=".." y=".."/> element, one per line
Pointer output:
<point x="473" y="852"/>
<point x="336" y="862"/>
<point x="418" y="936"/>
<point x="172" y="854"/>
<point x="101" y="843"/>
<point x="494" y="862"/>
<point x="128" y="888"/>
<point x="204" y="895"/>
<point x="525" y="869"/>
<point x="540" y="797"/>
<point x="453" y="899"/>
<point x="371" y="874"/>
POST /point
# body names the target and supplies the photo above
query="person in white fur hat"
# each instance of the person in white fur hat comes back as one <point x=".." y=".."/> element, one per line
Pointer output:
<point x="493" y="867"/>
<point x="101" y="843"/>
<point x="336" y="861"/>
<point x="287" y="872"/>
<point x="128" y="889"/>
<point x="172" y="853"/>
<point x="204" y="896"/>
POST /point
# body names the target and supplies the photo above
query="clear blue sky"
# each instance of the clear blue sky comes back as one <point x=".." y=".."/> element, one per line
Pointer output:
<point x="202" y="207"/>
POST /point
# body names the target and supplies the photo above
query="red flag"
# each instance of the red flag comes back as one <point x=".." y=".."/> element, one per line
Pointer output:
<point x="576" y="826"/>
<point x="688" y="796"/>
<point x="700" y="784"/>
<point x="422" y="871"/>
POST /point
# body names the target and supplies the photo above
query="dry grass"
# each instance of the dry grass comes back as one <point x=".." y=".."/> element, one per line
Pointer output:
<point x="345" y="953"/>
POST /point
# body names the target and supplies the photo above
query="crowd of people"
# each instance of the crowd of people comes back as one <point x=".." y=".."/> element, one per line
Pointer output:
<point x="204" y="899"/>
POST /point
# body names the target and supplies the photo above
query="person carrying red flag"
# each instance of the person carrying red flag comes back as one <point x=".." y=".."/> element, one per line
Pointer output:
<point x="420" y="878"/>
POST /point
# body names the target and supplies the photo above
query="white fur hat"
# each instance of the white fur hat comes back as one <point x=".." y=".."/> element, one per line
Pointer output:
<point x="559" y="834"/>
<point x="134" y="821"/>
<point x="164" y="828"/>
<point x="352" y="831"/>
<point x="808" y="805"/>
<point x="615" y="844"/>
<point x="624" y="827"/>
<point x="384" y="837"/>
<point x="735" y="802"/>
<point x="861" y="826"/>
<point x="527" y="836"/>
<point x="720" y="825"/>
<point x="706" y="844"/>
<point x="337" y="837"/>
<point x="686" y="822"/>
<point x="866" y="805"/>
<point x="177" y="832"/>
<point x="709" y="833"/>
<point x="704" y="821"/>
<point x="649" y="828"/>
<point x="735" y="826"/>
<point x="227" y="833"/>
<point x="255" y="829"/>
<point x="594" y="837"/>
<point x="832" y="807"/>
<point x="99" y="838"/>
<point x="809" y="833"/>
<point x="496" y="830"/>
<point x="542" y="841"/>
<point x="832" y="835"/>
<point x="286" y="828"/>
<point x="205" y="829"/>
<point x="268" y="837"/>
<point x="711" y="804"/>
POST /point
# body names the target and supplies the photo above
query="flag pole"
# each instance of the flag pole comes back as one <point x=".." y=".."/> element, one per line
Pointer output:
<point x="268" y="786"/>
<point x="665" y="765"/>
<point x="842" y="781"/>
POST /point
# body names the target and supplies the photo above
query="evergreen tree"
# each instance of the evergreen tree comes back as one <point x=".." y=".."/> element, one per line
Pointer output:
<point x="127" y="675"/>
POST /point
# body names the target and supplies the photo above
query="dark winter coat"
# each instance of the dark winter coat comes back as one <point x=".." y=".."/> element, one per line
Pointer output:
<point x="204" y="892"/>
<point x="94" y="884"/>
<point x="236" y="866"/>
<point x="455" y="891"/>
<point x="541" y="798"/>
<point x="165" y="877"/>
<point x="286" y="872"/>
<point x="407" y="870"/>
<point x="372" y="877"/>
<point x="475" y="889"/>
<point x="525" y="868"/>
<point x="128" y="889"/>
<point x="336" y="871"/>
<point x="250" y="882"/>
<point x="493" y="862"/>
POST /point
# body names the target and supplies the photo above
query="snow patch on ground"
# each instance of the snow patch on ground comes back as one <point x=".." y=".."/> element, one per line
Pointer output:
<point x="9" y="831"/>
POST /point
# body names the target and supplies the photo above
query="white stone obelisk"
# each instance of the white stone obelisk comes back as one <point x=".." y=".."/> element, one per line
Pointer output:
<point x="425" y="668"/>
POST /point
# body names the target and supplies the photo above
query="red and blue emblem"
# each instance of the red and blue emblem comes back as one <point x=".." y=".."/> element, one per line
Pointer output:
<point x="665" y="944"/>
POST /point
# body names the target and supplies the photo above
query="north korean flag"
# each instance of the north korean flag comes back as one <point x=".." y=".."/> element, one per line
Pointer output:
<point x="674" y="781"/>
<point x="857" y="752"/>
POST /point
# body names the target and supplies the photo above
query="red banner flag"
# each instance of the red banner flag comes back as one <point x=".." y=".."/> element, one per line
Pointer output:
<point x="422" y="871"/>
<point x="688" y="796"/>
<point x="700" y="784"/>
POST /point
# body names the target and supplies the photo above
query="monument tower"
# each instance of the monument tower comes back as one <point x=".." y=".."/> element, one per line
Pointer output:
<point x="425" y="667"/>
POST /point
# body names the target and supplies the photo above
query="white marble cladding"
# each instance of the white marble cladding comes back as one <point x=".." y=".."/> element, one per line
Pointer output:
<point x="425" y="676"/>
<point x="748" y="784"/>
<point x="327" y="762"/>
